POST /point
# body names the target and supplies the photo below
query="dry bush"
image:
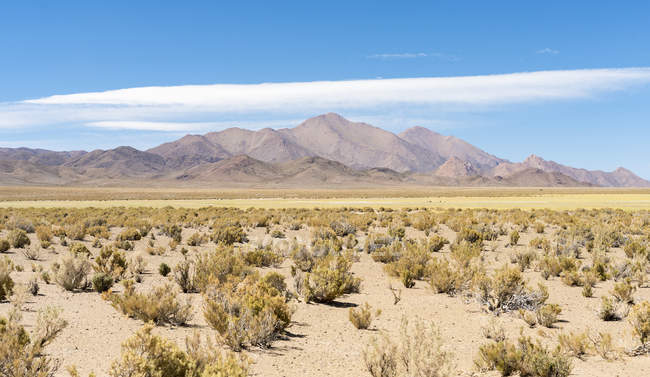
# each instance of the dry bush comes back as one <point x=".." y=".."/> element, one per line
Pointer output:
<point x="524" y="357"/>
<point x="71" y="272"/>
<point x="79" y="248"/>
<point x="18" y="238"/>
<point x="411" y="265"/>
<point x="623" y="292"/>
<point x="547" y="314"/>
<point x="196" y="239"/>
<point x="21" y="355"/>
<point x="443" y="278"/>
<point x="611" y="310"/>
<point x="506" y="291"/>
<point x="263" y="257"/>
<point x="575" y="344"/>
<point x="435" y="243"/>
<point x="185" y="276"/>
<point x="640" y="320"/>
<point x="229" y="235"/>
<point x="252" y="312"/>
<point x="493" y="330"/>
<point x="329" y="279"/>
<point x="514" y="238"/>
<point x="362" y="317"/>
<point x="44" y="233"/>
<point x="76" y="232"/>
<point x="145" y="354"/>
<point x="603" y="346"/>
<point x="420" y="352"/>
<point x="31" y="253"/>
<point x="217" y="266"/>
<point x="129" y="234"/>
<point x="6" y="283"/>
<point x="112" y="263"/>
<point x="161" y="305"/>
<point x="4" y="245"/>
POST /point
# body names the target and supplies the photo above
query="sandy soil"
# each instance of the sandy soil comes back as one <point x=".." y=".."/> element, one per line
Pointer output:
<point x="321" y="341"/>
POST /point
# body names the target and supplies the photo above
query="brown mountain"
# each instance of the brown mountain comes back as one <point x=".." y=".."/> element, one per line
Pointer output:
<point x="190" y="150"/>
<point x="619" y="178"/>
<point x="323" y="150"/>
<point x="115" y="163"/>
<point x="447" y="147"/>
<point x="455" y="168"/>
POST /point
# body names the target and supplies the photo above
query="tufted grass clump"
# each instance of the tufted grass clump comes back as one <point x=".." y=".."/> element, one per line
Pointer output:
<point x="329" y="279"/>
<point x="362" y="317"/>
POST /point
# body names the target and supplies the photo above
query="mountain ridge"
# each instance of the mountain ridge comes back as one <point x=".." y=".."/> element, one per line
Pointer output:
<point x="325" y="149"/>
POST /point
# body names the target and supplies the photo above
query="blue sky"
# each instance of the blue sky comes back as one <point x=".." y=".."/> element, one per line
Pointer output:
<point x="593" y="113"/>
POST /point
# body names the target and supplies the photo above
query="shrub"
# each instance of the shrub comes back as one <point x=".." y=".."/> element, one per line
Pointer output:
<point x="443" y="278"/>
<point x="102" y="282"/>
<point x="79" y="248"/>
<point x="112" y="263"/>
<point x="44" y="233"/>
<point x="262" y="257"/>
<point x="623" y="292"/>
<point x="547" y="314"/>
<point x="539" y="228"/>
<point x="640" y="320"/>
<point x="470" y="235"/>
<point x="420" y="352"/>
<point x="514" y="238"/>
<point x="22" y="355"/>
<point x="129" y="234"/>
<point x="31" y="253"/>
<point x="577" y="345"/>
<point x="71" y="272"/>
<point x="229" y="235"/>
<point x="145" y="354"/>
<point x="4" y="245"/>
<point x="184" y="275"/>
<point x="32" y="286"/>
<point x="361" y="318"/>
<point x="160" y="305"/>
<point x="329" y="279"/>
<point x="610" y="310"/>
<point x="251" y="313"/>
<point x="506" y="290"/>
<point x="18" y="238"/>
<point x="435" y="243"/>
<point x="277" y="234"/>
<point x="342" y="229"/>
<point x="380" y="357"/>
<point x="163" y="269"/>
<point x="76" y="232"/>
<point x="635" y="248"/>
<point x="195" y="239"/>
<point x="217" y="266"/>
<point x="524" y="357"/>
<point x="6" y="283"/>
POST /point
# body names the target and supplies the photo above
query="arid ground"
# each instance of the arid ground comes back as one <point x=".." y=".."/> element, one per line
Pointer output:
<point x="565" y="248"/>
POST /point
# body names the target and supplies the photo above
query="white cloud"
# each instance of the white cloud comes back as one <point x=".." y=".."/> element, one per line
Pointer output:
<point x="413" y="55"/>
<point x="189" y="126"/>
<point x="197" y="107"/>
<point x="548" y="51"/>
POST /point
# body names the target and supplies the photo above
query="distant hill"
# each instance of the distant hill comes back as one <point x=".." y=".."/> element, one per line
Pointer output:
<point x="321" y="151"/>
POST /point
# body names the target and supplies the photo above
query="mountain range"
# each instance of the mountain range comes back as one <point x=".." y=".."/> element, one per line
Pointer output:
<point x="324" y="150"/>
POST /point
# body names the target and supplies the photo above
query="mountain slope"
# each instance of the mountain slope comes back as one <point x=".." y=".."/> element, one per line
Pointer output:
<point x="448" y="146"/>
<point x="619" y="178"/>
<point x="190" y="150"/>
<point x="117" y="163"/>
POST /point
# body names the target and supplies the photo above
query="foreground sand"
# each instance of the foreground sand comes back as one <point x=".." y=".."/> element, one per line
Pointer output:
<point x="321" y="341"/>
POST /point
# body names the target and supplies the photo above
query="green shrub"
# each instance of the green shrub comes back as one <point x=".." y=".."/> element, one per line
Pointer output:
<point x="164" y="269"/>
<point x="6" y="283"/>
<point x="112" y="263"/>
<point x="102" y="282"/>
<point x="18" y="238"/>
<point x="4" y="245"/>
